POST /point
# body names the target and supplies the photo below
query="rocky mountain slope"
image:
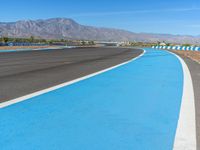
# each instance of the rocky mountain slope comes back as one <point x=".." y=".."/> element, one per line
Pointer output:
<point x="62" y="28"/>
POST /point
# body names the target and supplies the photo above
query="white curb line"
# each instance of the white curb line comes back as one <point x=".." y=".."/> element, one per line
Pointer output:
<point x="23" y="98"/>
<point x="186" y="131"/>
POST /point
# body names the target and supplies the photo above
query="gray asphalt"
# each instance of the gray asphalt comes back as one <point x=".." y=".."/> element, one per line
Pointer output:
<point x="22" y="73"/>
<point x="194" y="68"/>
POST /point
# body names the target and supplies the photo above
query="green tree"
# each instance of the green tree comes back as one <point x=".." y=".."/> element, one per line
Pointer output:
<point x="83" y="42"/>
<point x="186" y="45"/>
<point x="50" y="42"/>
<point x="91" y="43"/>
<point x="32" y="39"/>
<point x="5" y="39"/>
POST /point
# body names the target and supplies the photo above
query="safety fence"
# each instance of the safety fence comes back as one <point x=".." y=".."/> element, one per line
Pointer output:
<point x="184" y="48"/>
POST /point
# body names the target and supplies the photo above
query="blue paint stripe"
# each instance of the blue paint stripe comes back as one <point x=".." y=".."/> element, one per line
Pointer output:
<point x="135" y="106"/>
<point x="25" y="50"/>
<point x="39" y="49"/>
<point x="14" y="50"/>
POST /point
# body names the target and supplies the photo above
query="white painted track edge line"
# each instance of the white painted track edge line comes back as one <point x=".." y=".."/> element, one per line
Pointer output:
<point x="185" y="138"/>
<point x="26" y="97"/>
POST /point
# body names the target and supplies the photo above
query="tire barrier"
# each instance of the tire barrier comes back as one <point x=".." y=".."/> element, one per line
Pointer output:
<point x="183" y="48"/>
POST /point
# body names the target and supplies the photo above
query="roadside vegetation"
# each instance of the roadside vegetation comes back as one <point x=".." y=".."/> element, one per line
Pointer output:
<point x="7" y="41"/>
<point x="173" y="44"/>
<point x="34" y="41"/>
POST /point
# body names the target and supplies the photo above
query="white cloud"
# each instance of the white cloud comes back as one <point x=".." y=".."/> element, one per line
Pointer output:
<point x="91" y="14"/>
<point x="194" y="26"/>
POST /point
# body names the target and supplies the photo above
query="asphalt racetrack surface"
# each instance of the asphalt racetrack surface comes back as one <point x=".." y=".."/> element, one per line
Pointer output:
<point x="22" y="73"/>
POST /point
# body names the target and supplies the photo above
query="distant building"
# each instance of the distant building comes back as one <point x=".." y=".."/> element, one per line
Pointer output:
<point x="163" y="44"/>
<point x="105" y="43"/>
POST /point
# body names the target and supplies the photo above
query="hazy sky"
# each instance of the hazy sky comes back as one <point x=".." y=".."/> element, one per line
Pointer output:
<point x="152" y="16"/>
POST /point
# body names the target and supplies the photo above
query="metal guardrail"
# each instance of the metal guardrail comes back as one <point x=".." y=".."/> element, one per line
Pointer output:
<point x="184" y="48"/>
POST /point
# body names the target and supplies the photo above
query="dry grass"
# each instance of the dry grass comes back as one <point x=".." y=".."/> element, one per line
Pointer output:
<point x="22" y="47"/>
<point x="194" y="55"/>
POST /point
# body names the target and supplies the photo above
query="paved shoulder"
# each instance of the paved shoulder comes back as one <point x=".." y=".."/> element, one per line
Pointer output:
<point x="194" y="68"/>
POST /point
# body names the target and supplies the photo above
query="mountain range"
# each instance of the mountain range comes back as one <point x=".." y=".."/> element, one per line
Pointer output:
<point x="63" y="28"/>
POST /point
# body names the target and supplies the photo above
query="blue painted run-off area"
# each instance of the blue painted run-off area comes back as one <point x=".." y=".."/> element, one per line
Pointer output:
<point x="133" y="107"/>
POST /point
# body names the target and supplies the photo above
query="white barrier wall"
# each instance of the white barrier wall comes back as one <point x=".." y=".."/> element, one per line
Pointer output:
<point x="169" y="47"/>
<point x="196" y="48"/>
<point x="183" y="48"/>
